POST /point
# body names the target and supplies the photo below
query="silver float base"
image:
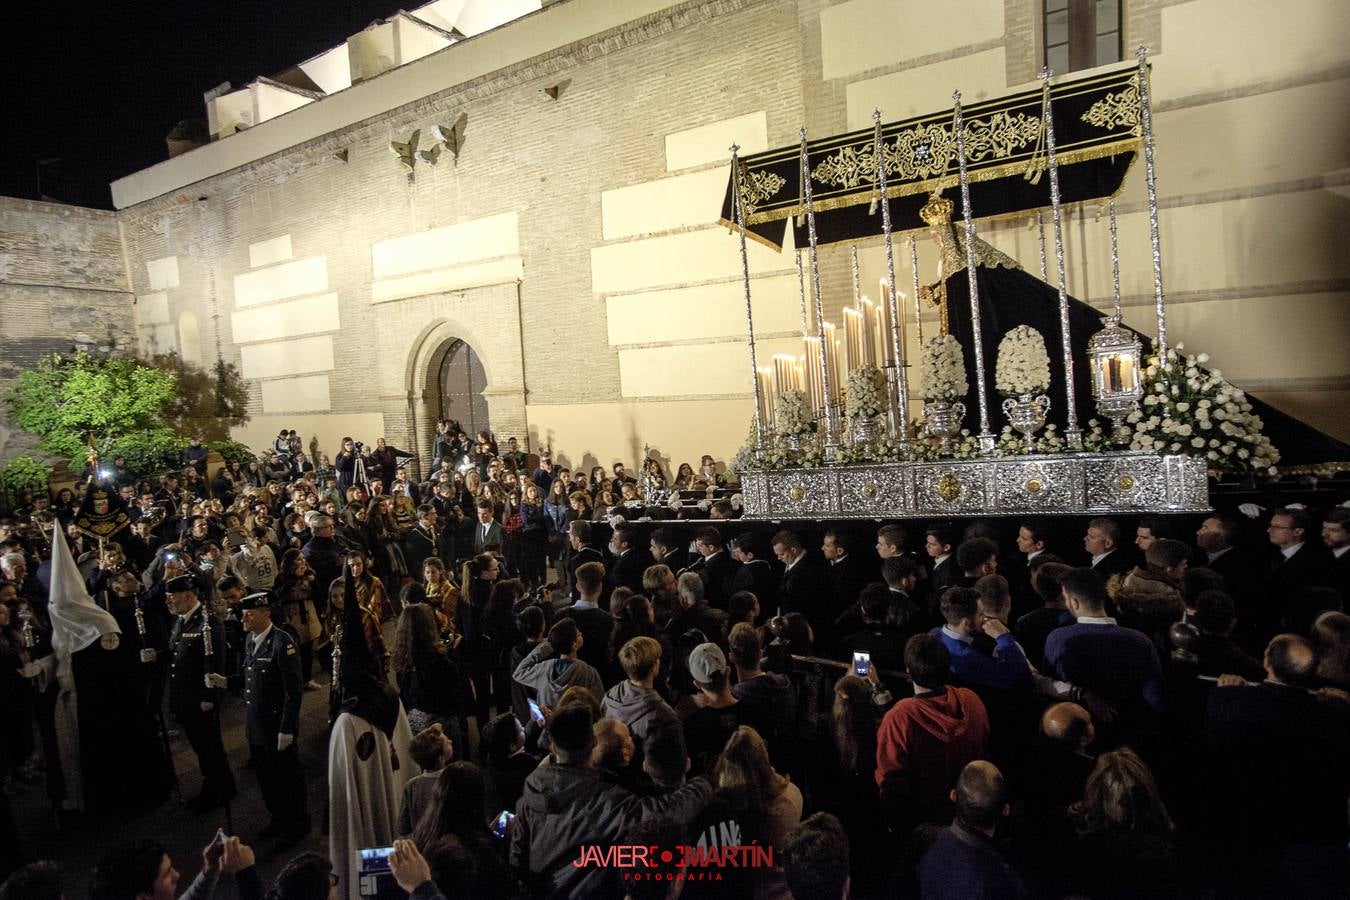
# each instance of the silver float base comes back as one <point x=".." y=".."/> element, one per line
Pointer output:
<point x="1044" y="484"/>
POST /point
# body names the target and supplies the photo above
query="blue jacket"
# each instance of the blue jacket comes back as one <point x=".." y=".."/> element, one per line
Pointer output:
<point x="1008" y="671"/>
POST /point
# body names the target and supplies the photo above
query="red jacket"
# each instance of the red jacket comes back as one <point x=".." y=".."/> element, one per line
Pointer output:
<point x="922" y="746"/>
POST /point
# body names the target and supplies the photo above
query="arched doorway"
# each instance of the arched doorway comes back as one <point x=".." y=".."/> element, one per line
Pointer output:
<point x="460" y="379"/>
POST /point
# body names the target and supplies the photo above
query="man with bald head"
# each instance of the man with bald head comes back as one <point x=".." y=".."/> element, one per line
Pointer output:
<point x="1279" y="753"/>
<point x="1058" y="764"/>
<point x="963" y="860"/>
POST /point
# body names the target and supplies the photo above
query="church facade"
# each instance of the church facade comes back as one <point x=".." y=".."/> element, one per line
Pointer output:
<point x="557" y="210"/>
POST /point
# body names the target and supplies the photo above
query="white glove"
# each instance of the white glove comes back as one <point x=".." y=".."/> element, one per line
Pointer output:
<point x="284" y="741"/>
<point x="31" y="670"/>
<point x="148" y="655"/>
<point x="1250" y="510"/>
<point x="207" y="707"/>
<point x="214" y="681"/>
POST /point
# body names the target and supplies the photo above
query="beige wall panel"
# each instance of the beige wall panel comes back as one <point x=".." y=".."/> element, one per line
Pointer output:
<point x="697" y="369"/>
<point x="159" y="339"/>
<point x="312" y="354"/>
<point x="1324" y="410"/>
<point x="152" y="309"/>
<point x="1216" y="45"/>
<point x="1271" y="240"/>
<point x="663" y="205"/>
<point x="163" y="273"/>
<point x="307" y="316"/>
<point x="926" y="89"/>
<point x="330" y="429"/>
<point x="710" y="143"/>
<point x="678" y="259"/>
<point x="458" y="278"/>
<point x="603" y="433"/>
<point x="707" y="311"/>
<point x="306" y="394"/>
<point x="264" y="253"/>
<point x="292" y="279"/>
<point x="870" y="34"/>
<point x="440" y="247"/>
<point x="1288" y="337"/>
<point x="273" y="102"/>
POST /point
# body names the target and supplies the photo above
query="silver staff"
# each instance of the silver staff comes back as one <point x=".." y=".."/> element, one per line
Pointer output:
<point x="749" y="315"/>
<point x="985" y="439"/>
<point x="831" y="431"/>
<point x="1151" y="182"/>
<point x="900" y="393"/>
<point x="914" y="269"/>
<point x="1072" y="433"/>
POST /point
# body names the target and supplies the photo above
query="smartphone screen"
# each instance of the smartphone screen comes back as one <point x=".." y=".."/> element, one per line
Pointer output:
<point x="862" y="663"/>
<point x="502" y="822"/>
<point x="535" y="712"/>
<point x="375" y="859"/>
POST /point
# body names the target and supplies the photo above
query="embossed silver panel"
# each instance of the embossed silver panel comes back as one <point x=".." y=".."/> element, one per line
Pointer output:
<point x="1054" y="484"/>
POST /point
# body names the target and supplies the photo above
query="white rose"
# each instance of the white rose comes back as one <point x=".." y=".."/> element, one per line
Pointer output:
<point x="1197" y="442"/>
<point x="1184" y="429"/>
<point x="1212" y="455"/>
<point x="1176" y="447"/>
<point x="1202" y="358"/>
<point x="1183" y="406"/>
<point x="1243" y="454"/>
<point x="1158" y="445"/>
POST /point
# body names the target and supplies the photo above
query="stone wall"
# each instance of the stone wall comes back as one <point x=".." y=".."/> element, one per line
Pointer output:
<point x="62" y="284"/>
<point x="573" y="242"/>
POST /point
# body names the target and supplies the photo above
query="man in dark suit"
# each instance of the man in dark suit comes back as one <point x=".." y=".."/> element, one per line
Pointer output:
<point x="1301" y="564"/>
<point x="422" y="541"/>
<point x="196" y="683"/>
<point x="579" y="533"/>
<point x="714" y="566"/>
<point x="803" y="588"/>
<point x="754" y="574"/>
<point x="1336" y="537"/>
<point x="845" y="570"/>
<point x="667" y="548"/>
<point x="1278" y="755"/>
<point x="1103" y="543"/>
<point x="272" y="691"/>
<point x="939" y="540"/>
<point x="487" y="533"/>
<point x="875" y="637"/>
<point x="629" y="560"/>
<point x="1217" y="539"/>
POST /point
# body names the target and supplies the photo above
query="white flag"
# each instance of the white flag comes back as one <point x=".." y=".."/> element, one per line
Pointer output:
<point x="77" y="621"/>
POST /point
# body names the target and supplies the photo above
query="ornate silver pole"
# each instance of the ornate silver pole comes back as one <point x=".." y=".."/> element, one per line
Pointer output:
<point x="831" y="432"/>
<point x="900" y="382"/>
<point x="801" y="292"/>
<point x="857" y="285"/>
<point x="1072" y="433"/>
<point x="1151" y="182"/>
<point x="985" y="439"/>
<point x="914" y="269"/>
<point x="1040" y="235"/>
<point x="1115" y="259"/>
<point x="749" y="313"/>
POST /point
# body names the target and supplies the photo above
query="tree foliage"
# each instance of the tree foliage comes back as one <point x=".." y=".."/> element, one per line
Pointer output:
<point x="124" y="406"/>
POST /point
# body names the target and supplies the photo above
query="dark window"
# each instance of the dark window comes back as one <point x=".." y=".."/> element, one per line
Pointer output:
<point x="1080" y="34"/>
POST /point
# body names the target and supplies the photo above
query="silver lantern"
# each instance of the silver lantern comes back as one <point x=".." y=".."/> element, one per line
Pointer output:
<point x="1115" y="354"/>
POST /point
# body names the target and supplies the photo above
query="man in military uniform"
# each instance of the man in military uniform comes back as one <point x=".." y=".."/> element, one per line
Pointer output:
<point x="272" y="691"/>
<point x="196" y="661"/>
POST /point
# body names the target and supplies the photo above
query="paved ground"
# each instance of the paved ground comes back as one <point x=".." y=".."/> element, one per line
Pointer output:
<point x="80" y="844"/>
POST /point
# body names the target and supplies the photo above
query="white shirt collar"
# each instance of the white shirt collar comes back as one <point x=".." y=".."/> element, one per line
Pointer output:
<point x="1340" y="551"/>
<point x="1290" y="551"/>
<point x="941" y="559"/>
<point x="1033" y="554"/>
<point x="792" y="565"/>
<point x="259" y="638"/>
<point x="1101" y="556"/>
<point x="1096" y="620"/>
<point x="1217" y="553"/>
<point x="947" y="630"/>
<point x="584" y="604"/>
<point x="189" y="614"/>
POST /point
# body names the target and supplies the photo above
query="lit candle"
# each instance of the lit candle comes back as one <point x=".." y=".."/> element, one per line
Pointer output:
<point x="799" y="375"/>
<point x="853" y="338"/>
<point x="831" y="360"/>
<point x="813" y="375"/>
<point x="766" y="397"/>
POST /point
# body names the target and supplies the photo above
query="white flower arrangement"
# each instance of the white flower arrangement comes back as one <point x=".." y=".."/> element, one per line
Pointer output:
<point x="1023" y="365"/>
<point x="864" y="392"/>
<point x="942" y="369"/>
<point x="1190" y="409"/>
<point x="792" y="414"/>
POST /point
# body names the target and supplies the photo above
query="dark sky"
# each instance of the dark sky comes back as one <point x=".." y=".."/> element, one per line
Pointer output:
<point x="98" y="85"/>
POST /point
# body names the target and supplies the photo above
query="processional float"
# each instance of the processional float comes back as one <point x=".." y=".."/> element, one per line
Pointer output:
<point x="833" y="435"/>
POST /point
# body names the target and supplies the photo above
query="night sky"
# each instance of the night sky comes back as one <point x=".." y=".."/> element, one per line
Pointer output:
<point x="98" y="85"/>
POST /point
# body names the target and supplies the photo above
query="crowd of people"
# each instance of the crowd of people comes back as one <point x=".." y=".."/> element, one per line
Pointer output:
<point x="1004" y="709"/>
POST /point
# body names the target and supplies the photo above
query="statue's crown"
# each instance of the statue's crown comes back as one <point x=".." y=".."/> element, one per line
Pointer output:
<point x="937" y="211"/>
